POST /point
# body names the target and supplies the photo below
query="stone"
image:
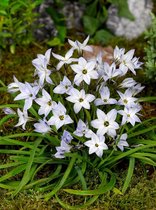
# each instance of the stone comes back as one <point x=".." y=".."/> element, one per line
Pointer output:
<point x="105" y="52"/>
<point x="129" y="29"/>
<point x="72" y="12"/>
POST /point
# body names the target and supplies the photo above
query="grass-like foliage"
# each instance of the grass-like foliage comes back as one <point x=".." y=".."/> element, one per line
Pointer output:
<point x="80" y="116"/>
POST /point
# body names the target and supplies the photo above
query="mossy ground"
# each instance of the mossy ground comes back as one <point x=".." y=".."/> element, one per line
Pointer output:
<point x="141" y="194"/>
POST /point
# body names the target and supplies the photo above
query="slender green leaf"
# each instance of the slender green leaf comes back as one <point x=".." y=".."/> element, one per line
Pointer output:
<point x="13" y="172"/>
<point x="61" y="183"/>
<point x="86" y="204"/>
<point x="82" y="179"/>
<point x="126" y="154"/>
<point x="101" y="190"/>
<point x="129" y="174"/>
<point x="6" y="118"/>
<point x="26" y="176"/>
<point x="142" y="131"/>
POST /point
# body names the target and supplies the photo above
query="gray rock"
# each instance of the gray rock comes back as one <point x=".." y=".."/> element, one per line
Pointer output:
<point x="121" y="26"/>
<point x="72" y="11"/>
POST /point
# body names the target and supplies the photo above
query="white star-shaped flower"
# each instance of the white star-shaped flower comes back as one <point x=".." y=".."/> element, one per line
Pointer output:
<point x="85" y="71"/>
<point x="136" y="89"/>
<point x="128" y="82"/>
<point x="118" y="53"/>
<point x="60" y="117"/>
<point x="130" y="115"/>
<point x="126" y="98"/>
<point x="65" y="86"/>
<point x="23" y="118"/>
<point x="105" y="97"/>
<point x="41" y="63"/>
<point x="42" y="126"/>
<point x="46" y="103"/>
<point x="66" y="137"/>
<point x="96" y="145"/>
<point x="126" y="62"/>
<point x="80" y="46"/>
<point x="62" y="149"/>
<point x="64" y="60"/>
<point x="14" y="86"/>
<point x="122" y="141"/>
<point x="105" y="123"/>
<point x="80" y="99"/>
<point x="28" y="93"/>
<point x="110" y="71"/>
<point x="83" y="130"/>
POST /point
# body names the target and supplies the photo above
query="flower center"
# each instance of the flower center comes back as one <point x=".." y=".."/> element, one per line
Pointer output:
<point x="84" y="71"/>
<point x="96" y="145"/>
<point x="66" y="87"/>
<point x="128" y="115"/>
<point x="105" y="100"/>
<point x="49" y="103"/>
<point x="61" y="117"/>
<point x="106" y="123"/>
<point x="125" y="101"/>
<point x="81" y="100"/>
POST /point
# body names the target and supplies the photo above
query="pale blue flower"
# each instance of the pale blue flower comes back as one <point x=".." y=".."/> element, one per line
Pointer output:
<point x="42" y="127"/>
<point x="128" y="82"/>
<point x="62" y="149"/>
<point x="83" y="130"/>
<point x="8" y="111"/>
<point x="122" y="141"/>
<point x="66" y="137"/>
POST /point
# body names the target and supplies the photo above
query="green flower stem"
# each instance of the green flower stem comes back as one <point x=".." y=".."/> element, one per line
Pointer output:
<point x="64" y="178"/>
<point x="3" y="89"/>
<point x="2" y="83"/>
<point x="10" y="106"/>
<point x="149" y="98"/>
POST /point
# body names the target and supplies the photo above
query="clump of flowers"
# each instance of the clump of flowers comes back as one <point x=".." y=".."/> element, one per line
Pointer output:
<point x="87" y="104"/>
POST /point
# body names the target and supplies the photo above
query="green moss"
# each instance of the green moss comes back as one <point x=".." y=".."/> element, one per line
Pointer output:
<point x="140" y="196"/>
<point x="19" y="64"/>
